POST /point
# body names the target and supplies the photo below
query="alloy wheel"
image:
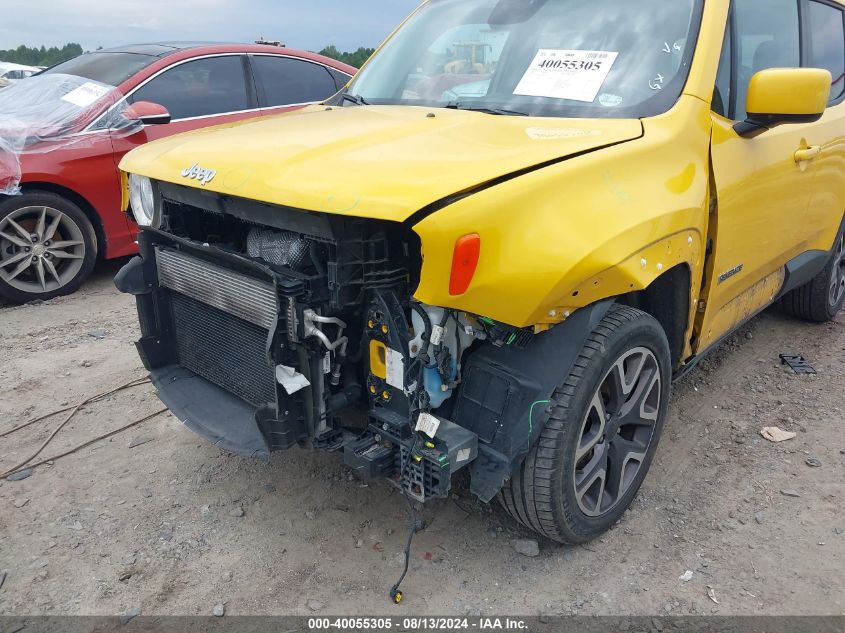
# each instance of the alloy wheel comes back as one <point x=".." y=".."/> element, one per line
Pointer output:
<point x="41" y="249"/>
<point x="837" y="281"/>
<point x="617" y="431"/>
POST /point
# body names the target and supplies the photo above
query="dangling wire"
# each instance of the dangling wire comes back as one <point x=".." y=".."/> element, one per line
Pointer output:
<point x="395" y="594"/>
<point x="419" y="403"/>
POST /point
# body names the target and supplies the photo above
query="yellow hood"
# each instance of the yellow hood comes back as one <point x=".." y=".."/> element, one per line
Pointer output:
<point x="383" y="162"/>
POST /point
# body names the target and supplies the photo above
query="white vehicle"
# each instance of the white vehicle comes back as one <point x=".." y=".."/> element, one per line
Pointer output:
<point x="16" y="72"/>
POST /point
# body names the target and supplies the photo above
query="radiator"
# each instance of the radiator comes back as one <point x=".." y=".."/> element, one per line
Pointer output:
<point x="223" y="349"/>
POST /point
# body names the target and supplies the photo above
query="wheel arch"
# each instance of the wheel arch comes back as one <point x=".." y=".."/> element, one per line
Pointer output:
<point x="533" y="373"/>
<point x="85" y="206"/>
<point x="669" y="300"/>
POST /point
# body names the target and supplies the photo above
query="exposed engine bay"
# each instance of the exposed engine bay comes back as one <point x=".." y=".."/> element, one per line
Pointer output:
<point x="266" y="328"/>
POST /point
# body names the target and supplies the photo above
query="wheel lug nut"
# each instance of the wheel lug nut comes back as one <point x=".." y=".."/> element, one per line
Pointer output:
<point x="34" y="259"/>
<point x="34" y="238"/>
<point x="26" y="249"/>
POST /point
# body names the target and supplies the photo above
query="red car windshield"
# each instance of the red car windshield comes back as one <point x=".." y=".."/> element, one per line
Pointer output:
<point x="111" y="69"/>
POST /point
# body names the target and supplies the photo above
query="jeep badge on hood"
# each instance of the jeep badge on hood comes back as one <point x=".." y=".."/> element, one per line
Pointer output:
<point x="200" y="174"/>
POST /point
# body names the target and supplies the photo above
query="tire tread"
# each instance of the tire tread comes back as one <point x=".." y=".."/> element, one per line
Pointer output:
<point x="528" y="496"/>
<point x="810" y="302"/>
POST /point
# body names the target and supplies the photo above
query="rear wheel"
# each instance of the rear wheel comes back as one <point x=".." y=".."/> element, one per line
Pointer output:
<point x="821" y="299"/>
<point x="48" y="247"/>
<point x="597" y="447"/>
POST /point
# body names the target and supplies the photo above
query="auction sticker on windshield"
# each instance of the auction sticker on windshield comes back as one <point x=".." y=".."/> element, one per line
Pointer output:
<point x="86" y="94"/>
<point x="566" y="74"/>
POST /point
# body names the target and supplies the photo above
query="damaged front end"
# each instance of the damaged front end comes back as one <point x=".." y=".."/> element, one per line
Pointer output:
<point x="265" y="327"/>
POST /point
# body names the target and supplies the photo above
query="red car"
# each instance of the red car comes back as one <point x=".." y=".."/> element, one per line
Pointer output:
<point x="64" y="131"/>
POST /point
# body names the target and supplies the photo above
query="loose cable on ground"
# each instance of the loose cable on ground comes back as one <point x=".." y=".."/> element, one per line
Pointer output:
<point x="73" y="411"/>
<point x="85" y="445"/>
<point x="31" y="422"/>
<point x="135" y="383"/>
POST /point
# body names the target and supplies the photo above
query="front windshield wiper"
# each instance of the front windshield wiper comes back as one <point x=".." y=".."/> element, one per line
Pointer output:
<point x="356" y="99"/>
<point x="456" y="105"/>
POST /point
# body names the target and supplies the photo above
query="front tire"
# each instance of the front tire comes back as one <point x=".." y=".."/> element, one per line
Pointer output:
<point x="820" y="300"/>
<point x="48" y="247"/>
<point x="607" y="416"/>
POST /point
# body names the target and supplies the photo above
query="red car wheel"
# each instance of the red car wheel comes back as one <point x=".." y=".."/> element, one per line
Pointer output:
<point x="48" y="247"/>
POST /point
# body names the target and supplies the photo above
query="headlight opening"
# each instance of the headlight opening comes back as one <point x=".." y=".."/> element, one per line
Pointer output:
<point x="144" y="201"/>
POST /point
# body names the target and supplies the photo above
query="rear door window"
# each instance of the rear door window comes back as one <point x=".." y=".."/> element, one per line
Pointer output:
<point x="202" y="87"/>
<point x="285" y="81"/>
<point x="340" y="79"/>
<point x="827" y="43"/>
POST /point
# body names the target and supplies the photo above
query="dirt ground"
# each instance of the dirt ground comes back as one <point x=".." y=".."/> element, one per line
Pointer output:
<point x="172" y="525"/>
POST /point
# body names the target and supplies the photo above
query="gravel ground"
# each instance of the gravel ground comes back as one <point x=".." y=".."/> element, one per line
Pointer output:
<point x="157" y="520"/>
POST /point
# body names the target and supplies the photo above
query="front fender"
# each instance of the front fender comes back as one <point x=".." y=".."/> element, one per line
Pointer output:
<point x="593" y="227"/>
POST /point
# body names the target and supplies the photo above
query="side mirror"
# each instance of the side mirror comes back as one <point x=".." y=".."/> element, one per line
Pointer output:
<point x="147" y="113"/>
<point x="784" y="95"/>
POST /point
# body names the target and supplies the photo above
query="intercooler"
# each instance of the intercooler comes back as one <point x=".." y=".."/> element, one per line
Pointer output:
<point x="222" y="321"/>
<point x="242" y="296"/>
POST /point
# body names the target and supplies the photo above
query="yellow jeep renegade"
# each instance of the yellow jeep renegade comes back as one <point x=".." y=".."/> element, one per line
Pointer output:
<point x="498" y="246"/>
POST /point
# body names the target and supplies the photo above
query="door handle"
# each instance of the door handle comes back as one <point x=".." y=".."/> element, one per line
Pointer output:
<point x="804" y="155"/>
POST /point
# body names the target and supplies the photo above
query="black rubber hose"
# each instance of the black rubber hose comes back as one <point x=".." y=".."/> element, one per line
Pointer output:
<point x="315" y="258"/>
<point x="423" y="355"/>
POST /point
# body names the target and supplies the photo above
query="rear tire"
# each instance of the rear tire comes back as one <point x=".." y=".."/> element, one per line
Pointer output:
<point x="48" y="247"/>
<point x="623" y="376"/>
<point x="820" y="300"/>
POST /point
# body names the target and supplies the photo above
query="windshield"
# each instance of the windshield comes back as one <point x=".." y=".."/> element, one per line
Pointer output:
<point x="107" y="68"/>
<point x="566" y="58"/>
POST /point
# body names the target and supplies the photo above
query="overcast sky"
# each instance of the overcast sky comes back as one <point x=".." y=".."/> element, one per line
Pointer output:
<point x="309" y="24"/>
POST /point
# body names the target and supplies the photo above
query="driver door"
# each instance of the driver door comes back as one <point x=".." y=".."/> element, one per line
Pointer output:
<point x="763" y="194"/>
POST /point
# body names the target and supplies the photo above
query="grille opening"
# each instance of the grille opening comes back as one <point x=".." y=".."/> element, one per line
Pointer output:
<point x="236" y="235"/>
<point x="340" y="257"/>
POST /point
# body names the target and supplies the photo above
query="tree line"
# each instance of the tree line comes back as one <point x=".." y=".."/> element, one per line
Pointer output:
<point x="356" y="58"/>
<point x="43" y="56"/>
